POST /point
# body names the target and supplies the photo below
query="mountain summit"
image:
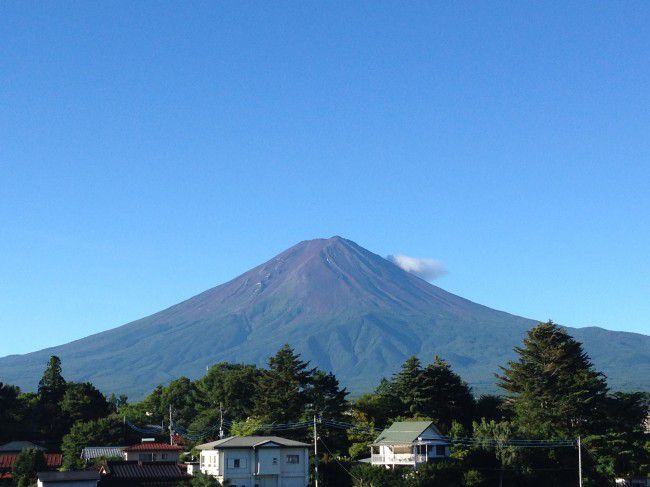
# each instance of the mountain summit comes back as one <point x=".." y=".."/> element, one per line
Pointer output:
<point x="342" y="307"/>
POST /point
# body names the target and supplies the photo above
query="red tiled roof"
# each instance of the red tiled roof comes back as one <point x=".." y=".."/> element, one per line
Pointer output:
<point x="153" y="447"/>
<point x="54" y="460"/>
<point x="144" y="471"/>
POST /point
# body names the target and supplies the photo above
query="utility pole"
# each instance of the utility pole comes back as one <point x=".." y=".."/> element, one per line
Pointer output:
<point x="579" y="463"/>
<point x="171" y="434"/>
<point x="315" y="454"/>
<point x="221" y="420"/>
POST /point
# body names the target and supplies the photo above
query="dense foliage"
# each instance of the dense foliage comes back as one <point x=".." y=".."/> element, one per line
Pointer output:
<point x="551" y="391"/>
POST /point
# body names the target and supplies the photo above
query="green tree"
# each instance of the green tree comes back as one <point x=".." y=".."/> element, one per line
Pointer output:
<point x="83" y="402"/>
<point x="366" y="475"/>
<point x="490" y="407"/>
<point x="438" y="474"/>
<point x="620" y="449"/>
<point x="445" y="396"/>
<point x="108" y="431"/>
<point x="382" y="405"/>
<point x="117" y="403"/>
<point x="10" y="412"/>
<point x="181" y="395"/>
<point x="408" y="385"/>
<point x="203" y="480"/>
<point x="247" y="427"/>
<point x="325" y="396"/>
<point x="553" y="388"/>
<point x="493" y="437"/>
<point x="283" y="387"/>
<point x="231" y="386"/>
<point x="51" y="389"/>
<point x="52" y="385"/>
<point x="27" y="464"/>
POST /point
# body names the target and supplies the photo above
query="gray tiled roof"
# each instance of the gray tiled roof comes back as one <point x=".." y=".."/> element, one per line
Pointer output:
<point x="91" y="452"/>
<point x="249" y="442"/>
<point x="123" y="471"/>
<point x="19" y="446"/>
<point x="68" y="476"/>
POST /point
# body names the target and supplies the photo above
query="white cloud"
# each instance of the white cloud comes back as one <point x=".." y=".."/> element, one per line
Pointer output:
<point x="427" y="269"/>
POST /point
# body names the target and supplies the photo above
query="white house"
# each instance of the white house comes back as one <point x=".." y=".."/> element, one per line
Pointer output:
<point x="409" y="443"/>
<point x="85" y="478"/>
<point x="256" y="461"/>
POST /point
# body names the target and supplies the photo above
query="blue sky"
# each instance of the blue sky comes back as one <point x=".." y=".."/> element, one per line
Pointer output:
<point x="151" y="150"/>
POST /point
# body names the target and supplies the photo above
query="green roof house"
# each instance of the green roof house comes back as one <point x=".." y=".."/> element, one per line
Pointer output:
<point x="409" y="443"/>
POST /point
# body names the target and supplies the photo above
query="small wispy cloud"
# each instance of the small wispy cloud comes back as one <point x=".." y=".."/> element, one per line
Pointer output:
<point x="427" y="269"/>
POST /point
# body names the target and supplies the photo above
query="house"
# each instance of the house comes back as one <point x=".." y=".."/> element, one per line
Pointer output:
<point x="192" y="468"/>
<point x="150" y="451"/>
<point x="409" y="443"/>
<point x="84" y="478"/>
<point x="141" y="474"/>
<point x="256" y="461"/>
<point x="7" y="460"/>
<point x="18" y="446"/>
<point x="108" y="452"/>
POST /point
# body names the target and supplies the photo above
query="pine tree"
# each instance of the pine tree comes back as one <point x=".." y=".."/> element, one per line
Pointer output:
<point x="408" y="385"/>
<point x="51" y="389"/>
<point x="52" y="385"/>
<point x="553" y="388"/>
<point x="282" y="390"/>
<point x="445" y="396"/>
<point x="326" y="397"/>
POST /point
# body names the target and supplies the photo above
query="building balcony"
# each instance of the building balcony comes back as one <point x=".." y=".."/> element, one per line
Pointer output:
<point x="398" y="459"/>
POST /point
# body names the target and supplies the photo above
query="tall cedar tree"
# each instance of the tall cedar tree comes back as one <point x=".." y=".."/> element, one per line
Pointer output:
<point x="52" y="385"/>
<point x="553" y="388"/>
<point x="408" y="385"/>
<point x="446" y="396"/>
<point x="51" y="389"/>
<point x="283" y="387"/>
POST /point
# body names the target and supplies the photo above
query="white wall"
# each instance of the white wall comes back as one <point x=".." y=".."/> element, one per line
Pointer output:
<point x="287" y="474"/>
<point x="157" y="456"/>
<point x="76" y="483"/>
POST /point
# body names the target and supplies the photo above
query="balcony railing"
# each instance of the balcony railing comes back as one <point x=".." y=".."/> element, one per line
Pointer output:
<point x="398" y="459"/>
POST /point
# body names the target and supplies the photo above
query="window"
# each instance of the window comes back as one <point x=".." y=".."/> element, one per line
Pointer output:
<point x="163" y="456"/>
<point x="236" y="463"/>
<point x="293" y="459"/>
<point x="440" y="450"/>
<point x="145" y="457"/>
<point x="274" y="461"/>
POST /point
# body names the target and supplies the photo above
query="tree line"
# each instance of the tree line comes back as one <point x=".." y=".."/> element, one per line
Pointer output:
<point x="552" y="390"/>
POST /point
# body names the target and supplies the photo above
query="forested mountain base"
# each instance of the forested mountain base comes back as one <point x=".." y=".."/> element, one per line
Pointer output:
<point x="552" y="395"/>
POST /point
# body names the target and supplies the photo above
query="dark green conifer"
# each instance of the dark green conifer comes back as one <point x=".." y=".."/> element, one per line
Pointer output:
<point x="553" y="388"/>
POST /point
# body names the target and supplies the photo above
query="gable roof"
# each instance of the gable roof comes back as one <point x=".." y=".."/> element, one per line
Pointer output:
<point x="151" y="446"/>
<point x="91" y="452"/>
<point x="404" y="432"/>
<point x="250" y="442"/>
<point x="18" y="446"/>
<point x="53" y="460"/>
<point x="134" y="470"/>
<point x="68" y="476"/>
